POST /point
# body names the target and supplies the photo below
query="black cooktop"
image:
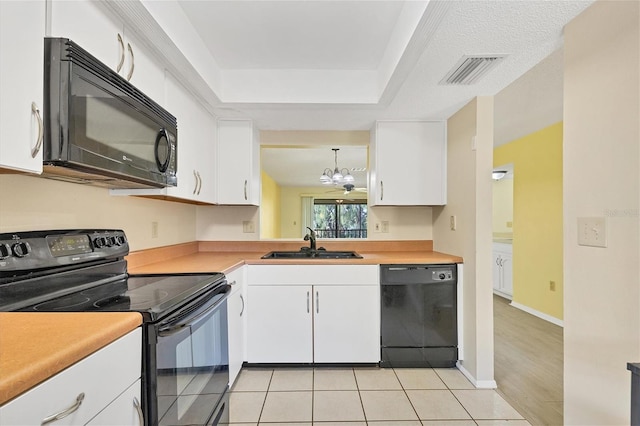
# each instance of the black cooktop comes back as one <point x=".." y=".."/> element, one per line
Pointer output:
<point x="85" y="270"/>
<point x="152" y="295"/>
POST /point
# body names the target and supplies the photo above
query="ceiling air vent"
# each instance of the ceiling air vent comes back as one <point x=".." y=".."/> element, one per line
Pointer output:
<point x="470" y="69"/>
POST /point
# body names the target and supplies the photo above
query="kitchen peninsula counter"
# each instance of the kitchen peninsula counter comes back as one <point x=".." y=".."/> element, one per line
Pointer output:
<point x="36" y="346"/>
<point x="213" y="256"/>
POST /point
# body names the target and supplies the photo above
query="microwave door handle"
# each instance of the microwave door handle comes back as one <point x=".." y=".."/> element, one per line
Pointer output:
<point x="173" y="328"/>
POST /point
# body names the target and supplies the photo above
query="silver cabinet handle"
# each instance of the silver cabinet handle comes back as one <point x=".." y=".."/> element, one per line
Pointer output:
<point x="136" y="404"/>
<point x="121" y="43"/>
<point x="245" y="189"/>
<point x="232" y="283"/>
<point x="307" y="302"/>
<point x="381" y="190"/>
<point x="195" y="187"/>
<point x="133" y="62"/>
<point x="242" y="299"/>
<point x="317" y="303"/>
<point x="36" y="111"/>
<point x="64" y="413"/>
<point x="199" y="182"/>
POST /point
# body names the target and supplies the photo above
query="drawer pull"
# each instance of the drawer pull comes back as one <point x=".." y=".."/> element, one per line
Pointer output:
<point x="136" y="404"/>
<point x="64" y="413"/>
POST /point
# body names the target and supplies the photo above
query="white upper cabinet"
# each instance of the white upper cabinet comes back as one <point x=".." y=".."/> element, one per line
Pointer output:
<point x="105" y="36"/>
<point x="22" y="27"/>
<point x="238" y="163"/>
<point x="408" y="163"/>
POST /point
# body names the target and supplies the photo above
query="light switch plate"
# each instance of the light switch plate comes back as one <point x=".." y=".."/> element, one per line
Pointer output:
<point x="452" y="223"/>
<point x="385" y="226"/>
<point x="592" y="231"/>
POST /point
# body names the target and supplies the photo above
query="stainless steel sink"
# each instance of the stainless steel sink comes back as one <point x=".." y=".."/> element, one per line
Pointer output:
<point x="312" y="254"/>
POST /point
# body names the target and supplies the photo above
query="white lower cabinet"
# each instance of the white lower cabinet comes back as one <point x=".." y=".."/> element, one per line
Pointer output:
<point x="503" y="270"/>
<point x="320" y="314"/>
<point x="236" y="310"/>
<point x="86" y="390"/>
<point x="279" y="327"/>
<point x="125" y="410"/>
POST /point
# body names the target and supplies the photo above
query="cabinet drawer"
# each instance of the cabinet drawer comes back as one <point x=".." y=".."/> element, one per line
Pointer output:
<point x="122" y="411"/>
<point x="313" y="274"/>
<point x="102" y="377"/>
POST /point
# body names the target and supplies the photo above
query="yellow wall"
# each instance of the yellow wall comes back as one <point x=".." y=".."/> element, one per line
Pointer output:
<point x="502" y="207"/>
<point x="537" y="217"/>
<point x="269" y="208"/>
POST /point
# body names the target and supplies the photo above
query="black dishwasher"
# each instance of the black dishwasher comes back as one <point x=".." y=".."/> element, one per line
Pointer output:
<point x="419" y="325"/>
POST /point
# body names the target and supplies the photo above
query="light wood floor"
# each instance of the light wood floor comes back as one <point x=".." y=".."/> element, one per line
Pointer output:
<point x="528" y="363"/>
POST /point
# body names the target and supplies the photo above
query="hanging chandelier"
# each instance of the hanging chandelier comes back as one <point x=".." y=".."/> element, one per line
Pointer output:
<point x="336" y="176"/>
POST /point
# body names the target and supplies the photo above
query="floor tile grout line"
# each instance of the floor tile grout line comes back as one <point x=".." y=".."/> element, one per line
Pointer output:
<point x="355" y="377"/>
<point x="407" y="395"/>
<point x="265" y="396"/>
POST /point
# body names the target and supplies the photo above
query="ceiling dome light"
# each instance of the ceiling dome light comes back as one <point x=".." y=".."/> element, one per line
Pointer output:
<point x="498" y="174"/>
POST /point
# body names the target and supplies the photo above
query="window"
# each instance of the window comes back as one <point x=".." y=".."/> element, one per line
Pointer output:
<point x="340" y="218"/>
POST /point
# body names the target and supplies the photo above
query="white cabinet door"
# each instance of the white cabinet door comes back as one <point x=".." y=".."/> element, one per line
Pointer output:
<point x="89" y="25"/>
<point x="238" y="163"/>
<point x="279" y="325"/>
<point x="346" y="323"/>
<point x="507" y="273"/>
<point x="497" y="271"/>
<point x="102" y="34"/>
<point x="124" y="411"/>
<point x="409" y="163"/>
<point x="236" y="309"/>
<point x="147" y="72"/>
<point x="503" y="269"/>
<point x="22" y="25"/>
<point x="94" y="377"/>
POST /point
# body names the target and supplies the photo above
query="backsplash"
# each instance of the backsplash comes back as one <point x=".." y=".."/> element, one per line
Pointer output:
<point x="33" y="203"/>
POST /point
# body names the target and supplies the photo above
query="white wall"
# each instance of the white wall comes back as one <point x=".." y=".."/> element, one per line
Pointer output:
<point x="33" y="203"/>
<point x="602" y="178"/>
<point x="469" y="195"/>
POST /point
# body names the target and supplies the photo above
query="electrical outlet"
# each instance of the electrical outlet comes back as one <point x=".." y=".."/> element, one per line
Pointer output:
<point x="552" y="285"/>
<point x="452" y="223"/>
<point x="154" y="229"/>
<point x="376" y="227"/>
<point x="509" y="224"/>
<point x="592" y="231"/>
<point x="248" y="227"/>
<point x="385" y="226"/>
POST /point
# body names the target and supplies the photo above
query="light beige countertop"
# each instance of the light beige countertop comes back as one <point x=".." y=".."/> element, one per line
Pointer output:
<point x="36" y="346"/>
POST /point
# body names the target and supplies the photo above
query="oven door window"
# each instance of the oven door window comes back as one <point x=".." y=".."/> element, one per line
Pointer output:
<point x="192" y="368"/>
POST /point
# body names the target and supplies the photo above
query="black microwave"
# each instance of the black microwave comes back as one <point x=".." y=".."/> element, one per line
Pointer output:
<point x="99" y="129"/>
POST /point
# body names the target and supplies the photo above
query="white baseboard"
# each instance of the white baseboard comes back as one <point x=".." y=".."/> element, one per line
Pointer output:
<point x="538" y="314"/>
<point x="479" y="384"/>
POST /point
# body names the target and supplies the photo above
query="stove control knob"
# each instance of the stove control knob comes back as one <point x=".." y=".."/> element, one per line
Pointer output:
<point x="120" y="240"/>
<point x="442" y="276"/>
<point x="99" y="242"/>
<point x="5" y="251"/>
<point x="21" y="249"/>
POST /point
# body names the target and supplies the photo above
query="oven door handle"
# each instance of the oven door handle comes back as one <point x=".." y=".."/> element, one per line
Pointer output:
<point x="173" y="328"/>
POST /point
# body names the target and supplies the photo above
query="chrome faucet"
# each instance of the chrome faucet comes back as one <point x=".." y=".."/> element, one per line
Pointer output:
<point x="311" y="237"/>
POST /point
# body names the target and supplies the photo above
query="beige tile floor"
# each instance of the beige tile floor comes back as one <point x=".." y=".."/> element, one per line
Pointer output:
<point x="364" y="397"/>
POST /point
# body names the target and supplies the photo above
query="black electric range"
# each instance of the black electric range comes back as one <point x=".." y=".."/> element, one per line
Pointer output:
<point x="85" y="270"/>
